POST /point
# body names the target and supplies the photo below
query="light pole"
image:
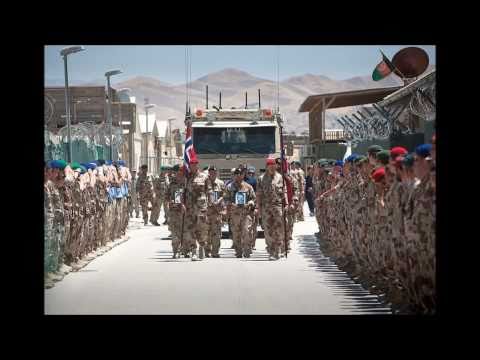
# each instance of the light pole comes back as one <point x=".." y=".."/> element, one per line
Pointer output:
<point x="65" y="52"/>
<point x="147" y="106"/>
<point x="75" y="103"/>
<point x="108" y="74"/>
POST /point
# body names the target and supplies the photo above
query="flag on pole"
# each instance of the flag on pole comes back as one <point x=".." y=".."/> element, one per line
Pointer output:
<point x="383" y="69"/>
<point x="283" y="157"/>
<point x="189" y="152"/>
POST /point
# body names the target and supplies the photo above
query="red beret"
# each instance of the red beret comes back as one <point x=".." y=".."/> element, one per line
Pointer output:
<point x="379" y="174"/>
<point x="399" y="161"/>
<point x="271" y="161"/>
<point x="397" y="151"/>
<point x="194" y="161"/>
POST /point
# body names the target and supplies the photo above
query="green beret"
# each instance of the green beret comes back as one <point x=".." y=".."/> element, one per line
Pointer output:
<point x="176" y="167"/>
<point x="162" y="168"/>
<point x="83" y="169"/>
<point x="374" y="149"/>
<point x="383" y="156"/>
<point x="62" y="164"/>
<point x="363" y="160"/>
<point x="75" y="165"/>
<point x="359" y="158"/>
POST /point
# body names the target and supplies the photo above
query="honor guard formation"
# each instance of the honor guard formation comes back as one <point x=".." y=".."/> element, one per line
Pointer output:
<point x="375" y="212"/>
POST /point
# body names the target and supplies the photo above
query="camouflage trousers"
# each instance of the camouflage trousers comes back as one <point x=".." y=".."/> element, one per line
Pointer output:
<point x="214" y="231"/>
<point x="100" y="228"/>
<point x="175" y="227"/>
<point x="156" y="207"/>
<point x="124" y="214"/>
<point x="67" y="251"/>
<point x="274" y="229"/>
<point x="166" y="209"/>
<point x="116" y="219"/>
<point x="195" y="228"/>
<point x="134" y="206"/>
<point x="254" y="230"/>
<point x="290" y="217"/>
<point x="144" y="200"/>
<point x="242" y="222"/>
<point x="75" y="230"/>
<point x="299" y="212"/>
<point x="51" y="245"/>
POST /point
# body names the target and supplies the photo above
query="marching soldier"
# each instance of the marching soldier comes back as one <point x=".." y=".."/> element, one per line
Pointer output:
<point x="145" y="192"/>
<point x="215" y="207"/>
<point x="240" y="200"/>
<point x="196" y="226"/>
<point x="175" y="197"/>
<point x="270" y="199"/>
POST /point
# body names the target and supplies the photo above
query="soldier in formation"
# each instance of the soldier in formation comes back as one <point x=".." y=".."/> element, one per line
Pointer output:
<point x="197" y="196"/>
<point x="214" y="214"/>
<point x="271" y="202"/>
<point x="85" y="207"/>
<point x="240" y="200"/>
<point x="146" y="194"/>
<point x="376" y="215"/>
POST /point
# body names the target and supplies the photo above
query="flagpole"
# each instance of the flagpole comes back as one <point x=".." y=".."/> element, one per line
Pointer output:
<point x="403" y="76"/>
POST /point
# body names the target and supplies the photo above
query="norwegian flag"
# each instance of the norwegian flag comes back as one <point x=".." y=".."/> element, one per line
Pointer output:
<point x="189" y="153"/>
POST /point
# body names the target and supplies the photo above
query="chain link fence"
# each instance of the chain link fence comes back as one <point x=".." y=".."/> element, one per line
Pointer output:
<point x="90" y="141"/>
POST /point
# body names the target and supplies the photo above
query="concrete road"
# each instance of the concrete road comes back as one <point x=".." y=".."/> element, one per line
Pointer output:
<point x="140" y="277"/>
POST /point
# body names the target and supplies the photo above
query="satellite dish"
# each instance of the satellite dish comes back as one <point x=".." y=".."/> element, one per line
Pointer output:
<point x="410" y="62"/>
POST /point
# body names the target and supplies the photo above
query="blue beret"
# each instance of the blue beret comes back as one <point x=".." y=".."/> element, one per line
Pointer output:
<point x="108" y="162"/>
<point x="83" y="169"/>
<point x="92" y="165"/>
<point x="121" y="162"/>
<point x="351" y="158"/>
<point x="423" y="150"/>
<point x="339" y="163"/>
<point x="56" y="164"/>
<point x="408" y="160"/>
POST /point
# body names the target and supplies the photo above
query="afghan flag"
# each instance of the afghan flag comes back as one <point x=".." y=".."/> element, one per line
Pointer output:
<point x="383" y="69"/>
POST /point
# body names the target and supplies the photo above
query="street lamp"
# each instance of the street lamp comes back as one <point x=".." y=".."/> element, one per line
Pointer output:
<point x="65" y="52"/>
<point x="147" y="106"/>
<point x="108" y="74"/>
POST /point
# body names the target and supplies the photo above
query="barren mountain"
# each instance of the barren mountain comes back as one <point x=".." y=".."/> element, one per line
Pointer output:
<point x="170" y="99"/>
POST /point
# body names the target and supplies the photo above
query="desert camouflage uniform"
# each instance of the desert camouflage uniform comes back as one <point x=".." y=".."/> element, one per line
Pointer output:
<point x="214" y="216"/>
<point x="67" y="193"/>
<point x="272" y="197"/>
<point x="196" y="226"/>
<point x="301" y="193"/>
<point x="159" y="187"/>
<point x="145" y="193"/>
<point x="241" y="217"/>
<point x="175" y="223"/>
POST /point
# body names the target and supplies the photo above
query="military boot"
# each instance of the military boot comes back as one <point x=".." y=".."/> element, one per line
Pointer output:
<point x="194" y="255"/>
<point x="201" y="253"/>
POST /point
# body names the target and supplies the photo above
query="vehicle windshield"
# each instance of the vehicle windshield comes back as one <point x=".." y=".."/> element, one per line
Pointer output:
<point x="253" y="140"/>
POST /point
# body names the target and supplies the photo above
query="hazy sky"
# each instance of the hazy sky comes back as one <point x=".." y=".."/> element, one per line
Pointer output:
<point x="167" y="63"/>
